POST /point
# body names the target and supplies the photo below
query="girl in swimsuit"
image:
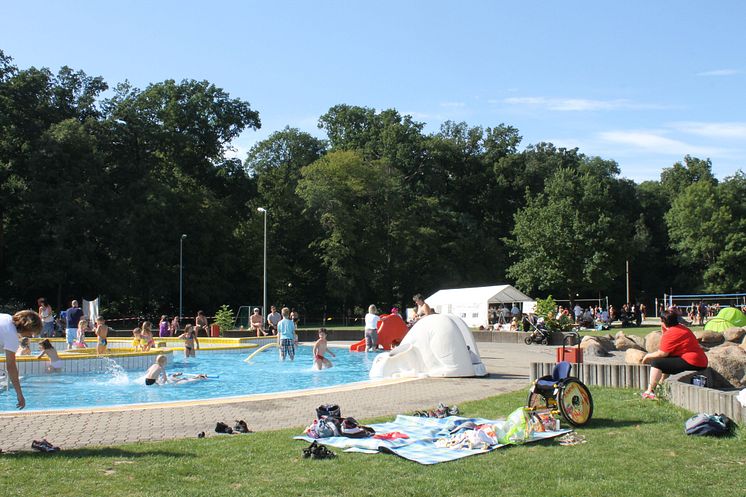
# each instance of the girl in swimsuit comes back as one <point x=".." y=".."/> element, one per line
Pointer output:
<point x="190" y="339"/>
<point x="147" y="336"/>
<point x="47" y="349"/>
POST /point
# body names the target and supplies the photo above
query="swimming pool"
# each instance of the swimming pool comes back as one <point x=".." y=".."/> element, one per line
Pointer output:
<point x="229" y="376"/>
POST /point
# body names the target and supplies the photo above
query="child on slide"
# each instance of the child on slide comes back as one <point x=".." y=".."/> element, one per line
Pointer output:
<point x="319" y="349"/>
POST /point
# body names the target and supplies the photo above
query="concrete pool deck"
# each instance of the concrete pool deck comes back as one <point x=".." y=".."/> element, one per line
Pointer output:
<point x="507" y="364"/>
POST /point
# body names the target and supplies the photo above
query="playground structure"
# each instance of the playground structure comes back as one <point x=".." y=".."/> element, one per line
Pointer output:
<point x="391" y="331"/>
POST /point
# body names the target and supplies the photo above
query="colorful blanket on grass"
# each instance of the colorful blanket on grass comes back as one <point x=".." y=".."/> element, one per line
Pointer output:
<point x="421" y="445"/>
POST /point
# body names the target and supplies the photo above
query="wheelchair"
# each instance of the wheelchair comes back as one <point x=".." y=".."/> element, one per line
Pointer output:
<point x="562" y="394"/>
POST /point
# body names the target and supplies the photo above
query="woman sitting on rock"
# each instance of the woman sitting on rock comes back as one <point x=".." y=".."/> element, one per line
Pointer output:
<point x="679" y="351"/>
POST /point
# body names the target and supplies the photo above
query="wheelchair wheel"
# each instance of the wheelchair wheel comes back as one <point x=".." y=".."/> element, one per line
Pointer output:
<point x="575" y="402"/>
<point x="538" y="401"/>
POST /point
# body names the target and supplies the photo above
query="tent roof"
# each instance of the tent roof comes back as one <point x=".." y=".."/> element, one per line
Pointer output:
<point x="491" y="294"/>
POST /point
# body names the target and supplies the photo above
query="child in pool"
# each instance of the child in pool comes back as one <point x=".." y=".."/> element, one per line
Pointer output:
<point x="147" y="337"/>
<point x="102" y="332"/>
<point x="24" y="348"/>
<point x="137" y="340"/>
<point x="319" y="349"/>
<point x="80" y="338"/>
<point x="55" y="363"/>
<point x="157" y="372"/>
<point x="190" y="339"/>
<point x="286" y="336"/>
<point x="180" y="378"/>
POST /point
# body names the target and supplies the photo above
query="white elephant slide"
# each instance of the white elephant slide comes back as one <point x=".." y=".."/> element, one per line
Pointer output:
<point x="439" y="345"/>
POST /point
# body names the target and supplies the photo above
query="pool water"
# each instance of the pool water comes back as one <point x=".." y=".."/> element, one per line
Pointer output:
<point x="228" y="376"/>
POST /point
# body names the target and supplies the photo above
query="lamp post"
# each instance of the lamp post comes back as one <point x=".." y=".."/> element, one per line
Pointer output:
<point x="181" y="275"/>
<point x="264" y="301"/>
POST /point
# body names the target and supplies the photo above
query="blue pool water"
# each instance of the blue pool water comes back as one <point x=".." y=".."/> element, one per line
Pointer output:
<point x="231" y="377"/>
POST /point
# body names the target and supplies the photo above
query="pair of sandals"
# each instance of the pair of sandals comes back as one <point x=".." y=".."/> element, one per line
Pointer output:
<point x="239" y="427"/>
<point x="44" y="446"/>
<point x="318" y="451"/>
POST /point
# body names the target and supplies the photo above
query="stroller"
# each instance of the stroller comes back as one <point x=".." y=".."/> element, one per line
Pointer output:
<point x="539" y="335"/>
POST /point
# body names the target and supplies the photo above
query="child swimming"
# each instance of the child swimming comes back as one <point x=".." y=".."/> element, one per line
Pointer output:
<point x="55" y="363"/>
<point x="319" y="349"/>
<point x="157" y="372"/>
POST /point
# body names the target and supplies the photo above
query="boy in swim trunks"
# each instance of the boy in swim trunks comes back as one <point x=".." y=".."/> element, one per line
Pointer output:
<point x="319" y="349"/>
<point x="47" y="349"/>
<point x="102" y="332"/>
<point x="157" y="372"/>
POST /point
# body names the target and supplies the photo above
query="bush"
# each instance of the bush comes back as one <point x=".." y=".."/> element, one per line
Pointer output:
<point x="224" y="317"/>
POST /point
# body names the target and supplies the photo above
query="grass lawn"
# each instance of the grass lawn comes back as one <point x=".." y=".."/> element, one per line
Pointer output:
<point x="634" y="448"/>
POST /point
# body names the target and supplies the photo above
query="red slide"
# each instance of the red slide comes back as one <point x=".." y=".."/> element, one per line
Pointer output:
<point x="391" y="330"/>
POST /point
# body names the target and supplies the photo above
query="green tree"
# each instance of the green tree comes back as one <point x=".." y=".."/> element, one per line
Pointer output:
<point x="563" y="237"/>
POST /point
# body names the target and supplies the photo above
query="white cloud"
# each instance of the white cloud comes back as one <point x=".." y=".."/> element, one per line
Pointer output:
<point x="655" y="142"/>
<point x="720" y="72"/>
<point x="725" y="130"/>
<point x="453" y="105"/>
<point x="575" y="104"/>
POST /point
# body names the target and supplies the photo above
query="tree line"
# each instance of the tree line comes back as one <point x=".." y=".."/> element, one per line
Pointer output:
<point x="98" y="184"/>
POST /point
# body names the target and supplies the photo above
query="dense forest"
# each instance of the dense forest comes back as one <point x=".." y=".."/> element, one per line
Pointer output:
<point x="99" y="183"/>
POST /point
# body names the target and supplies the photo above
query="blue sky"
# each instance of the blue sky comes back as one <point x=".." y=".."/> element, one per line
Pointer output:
<point x="640" y="82"/>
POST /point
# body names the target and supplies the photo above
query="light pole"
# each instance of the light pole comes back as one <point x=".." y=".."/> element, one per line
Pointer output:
<point x="264" y="301"/>
<point x="181" y="275"/>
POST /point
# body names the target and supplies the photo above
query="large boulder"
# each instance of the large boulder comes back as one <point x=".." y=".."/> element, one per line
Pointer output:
<point x="623" y="342"/>
<point x="743" y="343"/>
<point x="640" y="341"/>
<point x="634" y="356"/>
<point x="709" y="338"/>
<point x="730" y="363"/>
<point x="602" y="341"/>
<point x="653" y="341"/>
<point x="734" y="334"/>
<point x="594" y="349"/>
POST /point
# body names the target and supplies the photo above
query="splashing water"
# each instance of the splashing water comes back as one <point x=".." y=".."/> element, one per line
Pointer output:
<point x="115" y="374"/>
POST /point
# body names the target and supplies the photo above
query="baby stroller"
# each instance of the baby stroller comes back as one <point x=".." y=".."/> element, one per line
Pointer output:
<point x="539" y="335"/>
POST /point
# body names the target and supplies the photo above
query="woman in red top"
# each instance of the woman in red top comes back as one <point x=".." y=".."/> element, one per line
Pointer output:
<point x="679" y="351"/>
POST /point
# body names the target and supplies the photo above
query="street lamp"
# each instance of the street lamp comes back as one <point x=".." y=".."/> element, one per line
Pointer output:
<point x="264" y="301"/>
<point x="181" y="275"/>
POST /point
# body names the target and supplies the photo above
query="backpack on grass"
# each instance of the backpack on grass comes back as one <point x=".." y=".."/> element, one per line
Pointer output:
<point x="711" y="425"/>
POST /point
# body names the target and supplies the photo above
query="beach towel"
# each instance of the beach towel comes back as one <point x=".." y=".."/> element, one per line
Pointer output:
<point x="430" y="440"/>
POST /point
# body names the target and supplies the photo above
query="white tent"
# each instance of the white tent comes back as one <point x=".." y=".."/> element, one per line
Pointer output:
<point x="473" y="304"/>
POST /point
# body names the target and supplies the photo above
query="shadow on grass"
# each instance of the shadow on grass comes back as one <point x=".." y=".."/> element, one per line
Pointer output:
<point x="104" y="452"/>
<point x="601" y="423"/>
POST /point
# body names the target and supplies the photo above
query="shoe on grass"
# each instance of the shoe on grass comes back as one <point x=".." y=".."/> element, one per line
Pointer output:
<point x="648" y="395"/>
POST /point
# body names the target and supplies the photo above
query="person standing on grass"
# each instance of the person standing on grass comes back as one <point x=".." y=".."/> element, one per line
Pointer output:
<point x="286" y="337"/>
<point x="26" y="324"/>
<point x="679" y="351"/>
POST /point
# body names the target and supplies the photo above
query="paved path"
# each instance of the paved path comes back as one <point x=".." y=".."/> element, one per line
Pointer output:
<point x="508" y="366"/>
